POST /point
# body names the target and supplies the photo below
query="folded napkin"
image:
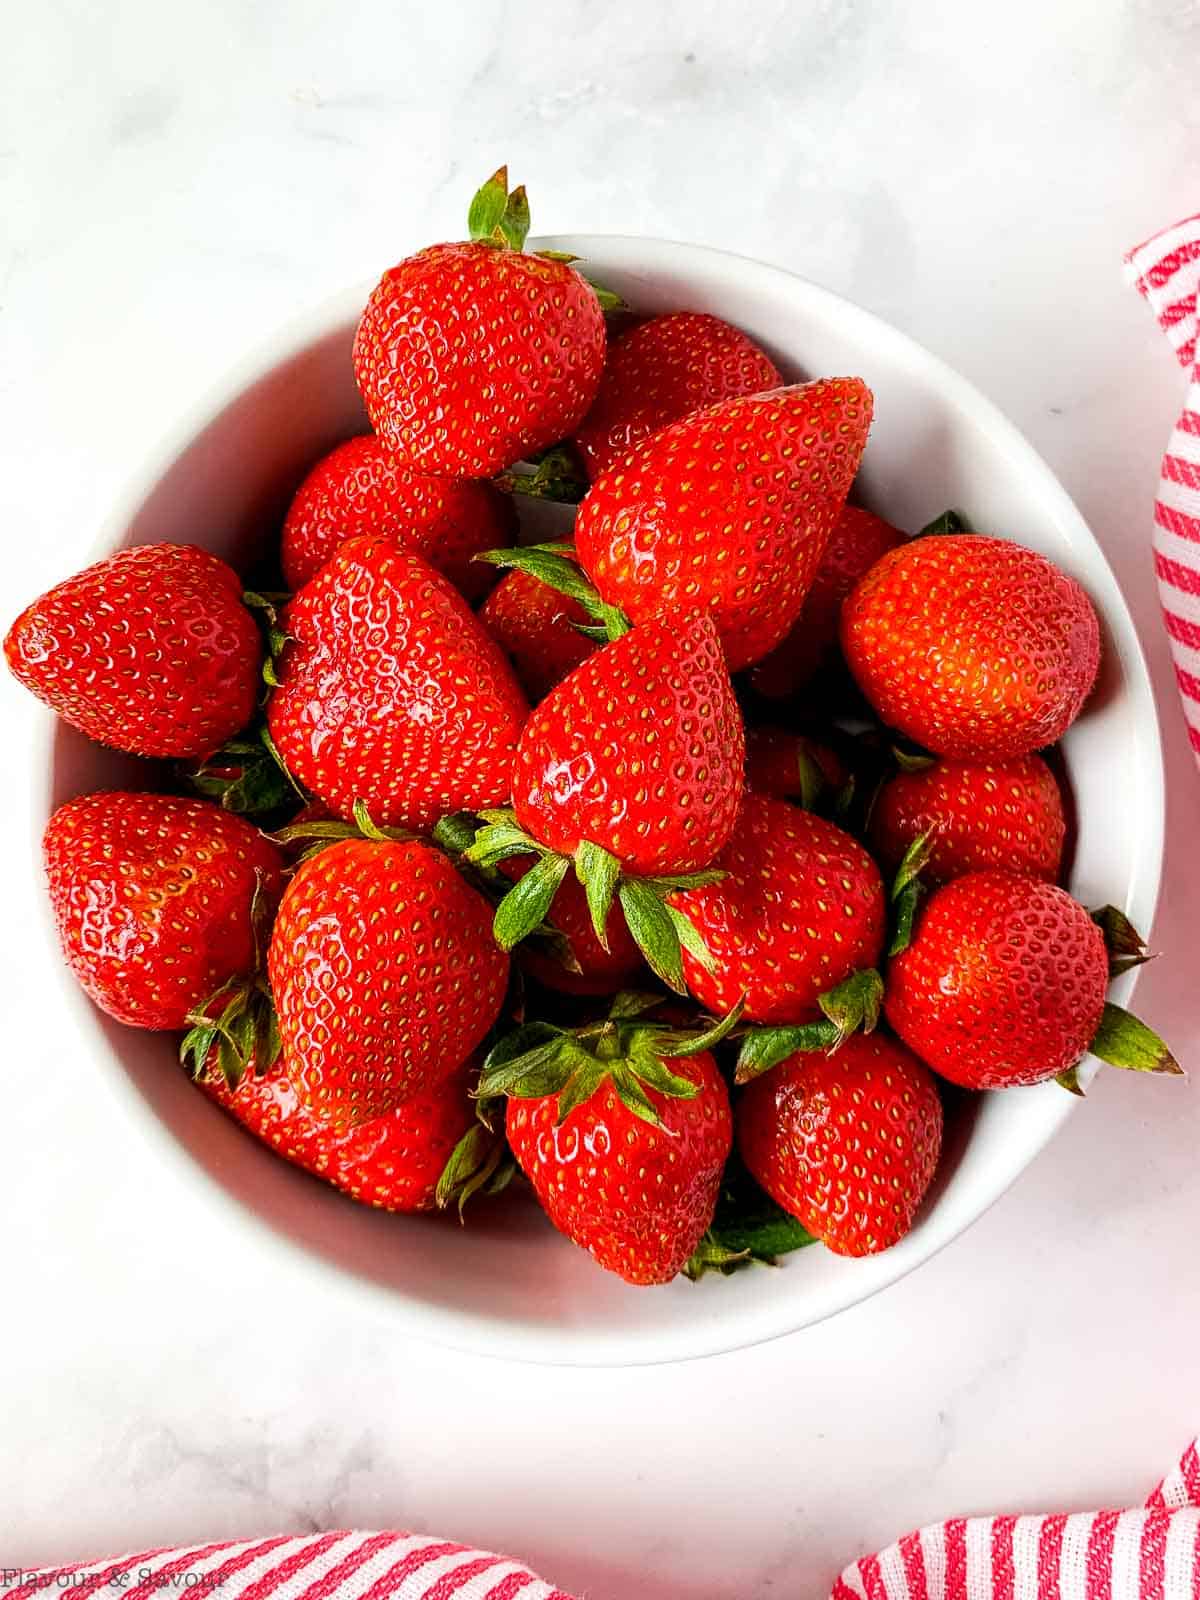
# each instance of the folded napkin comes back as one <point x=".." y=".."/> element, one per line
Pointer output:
<point x="1149" y="1554"/>
<point x="1166" y="269"/>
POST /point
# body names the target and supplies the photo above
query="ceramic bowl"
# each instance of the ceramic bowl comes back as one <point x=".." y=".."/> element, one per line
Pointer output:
<point x="508" y="1285"/>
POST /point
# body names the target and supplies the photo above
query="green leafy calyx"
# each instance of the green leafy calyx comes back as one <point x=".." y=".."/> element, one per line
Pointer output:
<point x="626" y="1051"/>
<point x="498" y="216"/>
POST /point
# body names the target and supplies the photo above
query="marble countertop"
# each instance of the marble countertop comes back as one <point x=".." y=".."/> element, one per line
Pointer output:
<point x="176" y="181"/>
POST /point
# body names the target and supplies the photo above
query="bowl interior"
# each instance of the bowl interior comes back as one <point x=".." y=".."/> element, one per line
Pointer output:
<point x="507" y="1284"/>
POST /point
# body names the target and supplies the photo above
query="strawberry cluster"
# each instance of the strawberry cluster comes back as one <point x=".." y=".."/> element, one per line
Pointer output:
<point x="677" y="869"/>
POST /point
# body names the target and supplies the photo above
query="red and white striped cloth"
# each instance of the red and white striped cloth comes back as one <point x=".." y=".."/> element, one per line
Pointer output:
<point x="1166" y="269"/>
<point x="1149" y="1554"/>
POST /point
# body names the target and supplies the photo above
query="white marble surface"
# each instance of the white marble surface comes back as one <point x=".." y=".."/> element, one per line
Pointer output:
<point x="174" y="181"/>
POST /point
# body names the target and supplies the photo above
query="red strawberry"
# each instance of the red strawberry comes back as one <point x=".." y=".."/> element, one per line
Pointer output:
<point x="150" y="651"/>
<point x="846" y="1142"/>
<point x="978" y="815"/>
<point x="384" y="974"/>
<point x="1003" y="982"/>
<point x="800" y="908"/>
<point x="639" y="751"/>
<point x="363" y="487"/>
<point x="534" y="624"/>
<point x="728" y="511"/>
<point x="791" y="766"/>
<point x="623" y="1143"/>
<point x="392" y="692"/>
<point x="973" y="647"/>
<point x="472" y="356"/>
<point x="858" y="540"/>
<point x="600" y="971"/>
<point x="154" y="900"/>
<point x="393" y="1162"/>
<point x="665" y="369"/>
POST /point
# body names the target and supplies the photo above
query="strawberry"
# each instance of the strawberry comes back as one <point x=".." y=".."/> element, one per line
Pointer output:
<point x="728" y="511"/>
<point x="662" y="370"/>
<point x="393" y="1162"/>
<point x="598" y="968"/>
<point x="631" y="770"/>
<point x="623" y="1140"/>
<point x="363" y="487"/>
<point x="390" y="691"/>
<point x="858" y="540"/>
<point x="383" y="974"/>
<point x="150" y="651"/>
<point x="155" y="900"/>
<point x="791" y="766"/>
<point x="534" y="624"/>
<point x="977" y="815"/>
<point x="1004" y="982"/>
<point x="847" y="1142"/>
<point x="471" y="356"/>
<point x="640" y="751"/>
<point x="798" y="910"/>
<point x="972" y="646"/>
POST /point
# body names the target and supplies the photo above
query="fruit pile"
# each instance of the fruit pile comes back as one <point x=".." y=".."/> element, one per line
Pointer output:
<point x="678" y="869"/>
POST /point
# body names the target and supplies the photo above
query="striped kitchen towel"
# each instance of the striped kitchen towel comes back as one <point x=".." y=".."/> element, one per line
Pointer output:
<point x="1166" y="269"/>
<point x="1150" y="1554"/>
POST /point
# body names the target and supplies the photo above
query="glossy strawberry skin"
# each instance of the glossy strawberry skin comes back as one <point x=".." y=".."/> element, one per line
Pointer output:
<point x="533" y="623"/>
<point x="858" y="540"/>
<point x="152" y="896"/>
<point x="392" y="1162"/>
<point x="664" y="369"/>
<point x="972" y="646"/>
<point x="847" y="1142"/>
<point x="601" y="971"/>
<point x="150" y="651"/>
<point x="640" y="750"/>
<point x="471" y="357"/>
<point x="1003" y="983"/>
<point x="384" y="974"/>
<point x="774" y="759"/>
<point x="363" y="487"/>
<point x="979" y="815"/>
<point x="728" y="511"/>
<point x="392" y="691"/>
<point x="800" y="908"/>
<point x="636" y="1197"/>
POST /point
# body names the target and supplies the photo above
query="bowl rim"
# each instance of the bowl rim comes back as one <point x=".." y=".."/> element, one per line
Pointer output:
<point x="474" y="1332"/>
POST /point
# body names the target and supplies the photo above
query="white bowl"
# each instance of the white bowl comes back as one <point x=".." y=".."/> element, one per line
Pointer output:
<point x="507" y="1284"/>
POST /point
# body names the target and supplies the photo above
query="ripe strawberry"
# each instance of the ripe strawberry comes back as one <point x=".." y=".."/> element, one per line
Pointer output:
<point x="393" y="1162"/>
<point x="600" y="971"/>
<point x="847" y="1142"/>
<point x="639" y="751"/>
<point x="858" y="540"/>
<point x="363" y="487"/>
<point x="977" y="815"/>
<point x="472" y="356"/>
<point x="972" y="646"/>
<point x="623" y="1142"/>
<point x="392" y="692"/>
<point x="665" y="369"/>
<point x="384" y="976"/>
<point x="791" y="766"/>
<point x="533" y="622"/>
<point x="154" y="897"/>
<point x="1003" y="982"/>
<point x="728" y="511"/>
<point x="150" y="651"/>
<point x="799" y="909"/>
